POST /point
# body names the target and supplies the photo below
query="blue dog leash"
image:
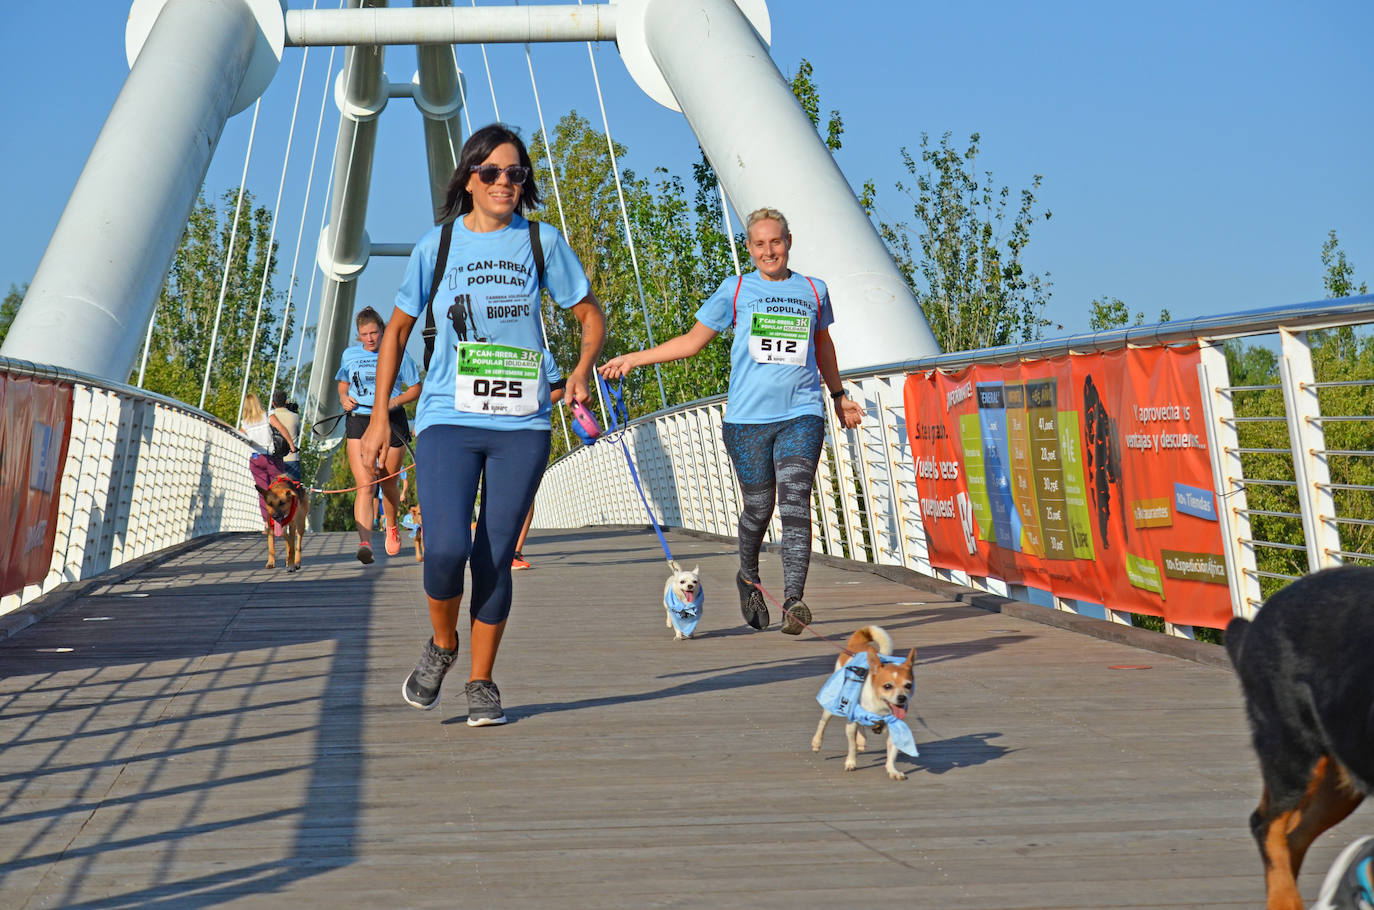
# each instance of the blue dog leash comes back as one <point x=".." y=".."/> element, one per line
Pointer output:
<point x="619" y="417"/>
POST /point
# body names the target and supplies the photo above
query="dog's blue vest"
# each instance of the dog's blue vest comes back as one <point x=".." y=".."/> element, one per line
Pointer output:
<point x="840" y="696"/>
<point x="684" y="616"/>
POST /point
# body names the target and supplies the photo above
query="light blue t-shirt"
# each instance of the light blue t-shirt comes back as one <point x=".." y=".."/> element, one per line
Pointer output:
<point x="490" y="286"/>
<point x="358" y="367"/>
<point x="769" y="392"/>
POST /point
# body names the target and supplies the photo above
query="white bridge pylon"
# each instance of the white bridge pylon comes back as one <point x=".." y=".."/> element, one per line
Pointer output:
<point x="194" y="63"/>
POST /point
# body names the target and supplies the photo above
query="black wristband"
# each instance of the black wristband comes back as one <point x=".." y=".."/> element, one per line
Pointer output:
<point x="836" y="396"/>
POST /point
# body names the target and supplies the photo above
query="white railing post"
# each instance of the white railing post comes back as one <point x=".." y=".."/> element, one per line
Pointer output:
<point x="1223" y="443"/>
<point x="1308" y="439"/>
<point x="892" y="444"/>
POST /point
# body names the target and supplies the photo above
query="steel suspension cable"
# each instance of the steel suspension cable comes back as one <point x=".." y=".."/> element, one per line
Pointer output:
<point x="558" y="202"/>
<point x="625" y="216"/>
<point x="329" y="186"/>
<point x="229" y="257"/>
<point x="462" y="94"/>
<point x="147" y="343"/>
<point x="310" y="291"/>
<point x="489" y="83"/>
<point x="305" y="206"/>
<point x="343" y="200"/>
<point x="267" y="261"/>
<point x="729" y="231"/>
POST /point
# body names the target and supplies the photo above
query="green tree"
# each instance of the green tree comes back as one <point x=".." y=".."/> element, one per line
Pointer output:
<point x="1338" y="355"/>
<point x="1112" y="313"/>
<point x="808" y="95"/>
<point x="9" y="306"/>
<point x="1339" y="280"/>
<point x="681" y="252"/>
<point x="962" y="255"/>
<point x="185" y="316"/>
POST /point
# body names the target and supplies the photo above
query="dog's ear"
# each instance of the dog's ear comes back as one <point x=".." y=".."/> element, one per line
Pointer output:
<point x="696" y="570"/>
<point x="910" y="659"/>
<point x="874" y="660"/>
<point x="262" y="491"/>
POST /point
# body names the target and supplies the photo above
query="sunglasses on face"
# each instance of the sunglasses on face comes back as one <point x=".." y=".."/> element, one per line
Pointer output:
<point x="516" y="174"/>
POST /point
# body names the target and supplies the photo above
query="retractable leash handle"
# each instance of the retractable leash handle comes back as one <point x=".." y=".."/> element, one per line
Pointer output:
<point x="584" y="423"/>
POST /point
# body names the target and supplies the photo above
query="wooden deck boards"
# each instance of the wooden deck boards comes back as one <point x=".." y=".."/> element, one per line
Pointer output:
<point x="220" y="735"/>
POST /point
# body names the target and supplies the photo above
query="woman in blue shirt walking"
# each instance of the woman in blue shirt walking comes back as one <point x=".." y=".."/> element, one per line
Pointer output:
<point x="774" y="419"/>
<point x="483" y="416"/>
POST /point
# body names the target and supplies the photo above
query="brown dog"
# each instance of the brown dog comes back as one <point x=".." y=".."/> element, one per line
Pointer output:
<point x="287" y="505"/>
<point x="876" y="696"/>
<point x="419" y="534"/>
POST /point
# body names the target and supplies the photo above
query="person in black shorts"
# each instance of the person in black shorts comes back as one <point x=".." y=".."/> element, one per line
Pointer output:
<point x="357" y="377"/>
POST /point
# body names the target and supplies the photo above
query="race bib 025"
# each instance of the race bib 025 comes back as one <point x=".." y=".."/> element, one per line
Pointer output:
<point x="497" y="379"/>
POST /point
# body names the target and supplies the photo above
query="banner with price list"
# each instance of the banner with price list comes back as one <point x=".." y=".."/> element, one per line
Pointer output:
<point x="35" y="425"/>
<point x="1088" y="476"/>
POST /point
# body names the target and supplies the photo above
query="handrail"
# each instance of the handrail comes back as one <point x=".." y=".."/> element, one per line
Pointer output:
<point x="867" y="508"/>
<point x="143" y="472"/>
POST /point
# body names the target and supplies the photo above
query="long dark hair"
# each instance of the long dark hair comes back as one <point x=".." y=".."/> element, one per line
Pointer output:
<point x="480" y="145"/>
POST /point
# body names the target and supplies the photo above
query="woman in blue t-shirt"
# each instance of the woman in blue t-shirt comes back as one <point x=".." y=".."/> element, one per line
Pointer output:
<point x="357" y="378"/>
<point x="774" y="420"/>
<point x="483" y="417"/>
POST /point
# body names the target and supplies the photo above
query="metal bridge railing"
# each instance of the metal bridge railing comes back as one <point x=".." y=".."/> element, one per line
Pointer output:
<point x="1293" y="462"/>
<point x="142" y="473"/>
<point x="1274" y="449"/>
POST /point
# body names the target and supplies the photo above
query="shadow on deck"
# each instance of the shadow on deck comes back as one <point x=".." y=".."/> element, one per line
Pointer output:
<point x="206" y="733"/>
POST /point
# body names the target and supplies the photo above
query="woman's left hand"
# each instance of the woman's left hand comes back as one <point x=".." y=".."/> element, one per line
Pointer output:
<point x="617" y="367"/>
<point x="848" y="412"/>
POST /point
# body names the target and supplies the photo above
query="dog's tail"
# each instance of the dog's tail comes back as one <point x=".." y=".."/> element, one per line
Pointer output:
<point x="875" y="635"/>
<point x="1235" y="639"/>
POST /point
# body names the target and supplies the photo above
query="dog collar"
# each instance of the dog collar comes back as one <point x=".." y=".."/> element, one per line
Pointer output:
<point x="295" y="501"/>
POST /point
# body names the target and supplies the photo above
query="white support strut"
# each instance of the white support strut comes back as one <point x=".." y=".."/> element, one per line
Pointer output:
<point x="450" y="25"/>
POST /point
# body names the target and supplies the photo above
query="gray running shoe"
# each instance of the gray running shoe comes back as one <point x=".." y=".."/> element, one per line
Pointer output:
<point x="365" y="555"/>
<point x="421" y="688"/>
<point x="796" y="615"/>
<point x="1349" y="883"/>
<point x="484" y="704"/>
<point x="751" y="605"/>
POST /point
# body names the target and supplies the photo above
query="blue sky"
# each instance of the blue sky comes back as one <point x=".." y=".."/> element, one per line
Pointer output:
<point x="1194" y="155"/>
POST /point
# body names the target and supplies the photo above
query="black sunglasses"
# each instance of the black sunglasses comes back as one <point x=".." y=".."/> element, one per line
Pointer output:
<point x="517" y="174"/>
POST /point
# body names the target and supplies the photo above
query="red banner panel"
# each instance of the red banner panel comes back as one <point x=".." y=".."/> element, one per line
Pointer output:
<point x="1087" y="476"/>
<point x="35" y="426"/>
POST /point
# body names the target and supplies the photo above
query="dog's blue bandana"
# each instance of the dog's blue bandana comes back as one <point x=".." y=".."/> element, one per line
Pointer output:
<point x="840" y="696"/>
<point x="684" y="615"/>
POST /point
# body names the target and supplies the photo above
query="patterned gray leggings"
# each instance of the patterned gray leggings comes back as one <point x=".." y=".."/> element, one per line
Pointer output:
<point x="776" y="458"/>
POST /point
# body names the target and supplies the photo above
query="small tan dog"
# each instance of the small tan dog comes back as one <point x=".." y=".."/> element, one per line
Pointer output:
<point x="419" y="531"/>
<point x="868" y="691"/>
<point x="287" y="505"/>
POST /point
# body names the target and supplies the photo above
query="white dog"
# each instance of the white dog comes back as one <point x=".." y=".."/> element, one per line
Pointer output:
<point x="683" y="599"/>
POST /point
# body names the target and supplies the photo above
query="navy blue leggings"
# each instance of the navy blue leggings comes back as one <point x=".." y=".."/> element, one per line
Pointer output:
<point x="450" y="463"/>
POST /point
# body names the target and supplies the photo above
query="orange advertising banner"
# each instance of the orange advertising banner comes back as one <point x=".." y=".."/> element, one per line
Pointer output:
<point x="35" y="426"/>
<point x="1087" y="476"/>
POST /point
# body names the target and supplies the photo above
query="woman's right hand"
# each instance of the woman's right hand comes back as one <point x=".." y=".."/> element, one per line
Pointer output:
<point x="374" y="443"/>
<point x="348" y="401"/>
<point x="618" y="367"/>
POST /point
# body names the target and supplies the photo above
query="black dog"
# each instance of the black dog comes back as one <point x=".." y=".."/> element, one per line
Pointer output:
<point x="1306" y="665"/>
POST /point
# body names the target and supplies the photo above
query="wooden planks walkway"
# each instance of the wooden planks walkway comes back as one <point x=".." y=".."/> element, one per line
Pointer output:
<point x="206" y="734"/>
